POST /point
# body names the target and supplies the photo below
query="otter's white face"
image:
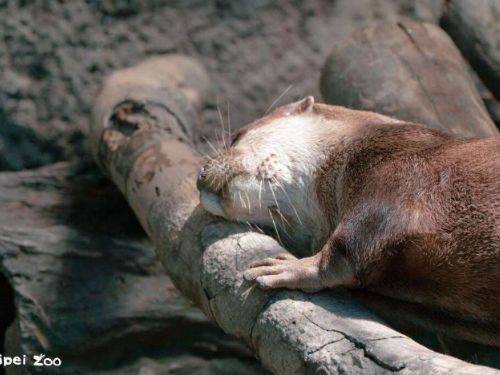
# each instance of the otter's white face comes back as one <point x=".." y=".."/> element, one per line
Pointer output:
<point x="267" y="175"/>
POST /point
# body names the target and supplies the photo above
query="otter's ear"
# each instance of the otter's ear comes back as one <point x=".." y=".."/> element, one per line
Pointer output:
<point x="302" y="106"/>
<point x="306" y="104"/>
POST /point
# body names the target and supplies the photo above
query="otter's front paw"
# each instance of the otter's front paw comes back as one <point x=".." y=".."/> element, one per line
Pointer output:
<point x="286" y="271"/>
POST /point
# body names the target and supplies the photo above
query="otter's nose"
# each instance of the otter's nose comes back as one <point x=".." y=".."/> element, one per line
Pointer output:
<point x="201" y="182"/>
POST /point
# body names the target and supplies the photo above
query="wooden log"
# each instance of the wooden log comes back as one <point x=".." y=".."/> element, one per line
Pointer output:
<point x="408" y="70"/>
<point x="141" y="145"/>
<point x="474" y="26"/>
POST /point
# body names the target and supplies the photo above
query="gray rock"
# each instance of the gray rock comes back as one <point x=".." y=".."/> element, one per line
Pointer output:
<point x="475" y="29"/>
<point x="493" y="107"/>
<point x="406" y="70"/>
<point x="88" y="287"/>
<point x="53" y="56"/>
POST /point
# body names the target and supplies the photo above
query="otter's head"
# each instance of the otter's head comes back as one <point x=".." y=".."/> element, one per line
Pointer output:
<point x="266" y="176"/>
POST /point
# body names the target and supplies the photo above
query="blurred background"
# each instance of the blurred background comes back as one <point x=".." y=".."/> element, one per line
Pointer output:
<point x="54" y="55"/>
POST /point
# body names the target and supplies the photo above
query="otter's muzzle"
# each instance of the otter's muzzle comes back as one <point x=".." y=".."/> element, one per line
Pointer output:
<point x="209" y="199"/>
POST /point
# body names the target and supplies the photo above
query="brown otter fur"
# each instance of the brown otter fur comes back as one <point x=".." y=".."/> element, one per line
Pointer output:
<point x="409" y="213"/>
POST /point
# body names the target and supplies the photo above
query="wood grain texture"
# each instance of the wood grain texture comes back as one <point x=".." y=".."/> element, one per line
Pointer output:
<point x="408" y="70"/>
<point x="474" y="26"/>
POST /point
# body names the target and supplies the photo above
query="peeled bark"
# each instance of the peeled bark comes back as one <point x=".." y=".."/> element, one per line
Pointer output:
<point x="141" y="140"/>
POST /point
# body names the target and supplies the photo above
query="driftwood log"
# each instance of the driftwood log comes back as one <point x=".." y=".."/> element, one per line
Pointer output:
<point x="140" y="138"/>
<point x="408" y="70"/>
<point x="474" y="26"/>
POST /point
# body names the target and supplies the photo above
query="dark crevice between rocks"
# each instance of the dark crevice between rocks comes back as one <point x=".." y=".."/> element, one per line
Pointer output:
<point x="21" y="147"/>
<point x="89" y="195"/>
<point x="7" y="312"/>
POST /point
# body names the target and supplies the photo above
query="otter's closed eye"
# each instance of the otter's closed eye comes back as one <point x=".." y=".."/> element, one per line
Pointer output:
<point x="235" y="138"/>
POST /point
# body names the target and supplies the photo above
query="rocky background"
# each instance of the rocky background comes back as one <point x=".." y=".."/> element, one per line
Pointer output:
<point x="94" y="294"/>
<point x="54" y="55"/>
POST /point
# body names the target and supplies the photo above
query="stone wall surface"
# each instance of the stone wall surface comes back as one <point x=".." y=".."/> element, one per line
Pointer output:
<point x="54" y="55"/>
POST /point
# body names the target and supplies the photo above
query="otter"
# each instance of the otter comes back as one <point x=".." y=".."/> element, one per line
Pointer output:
<point x="387" y="206"/>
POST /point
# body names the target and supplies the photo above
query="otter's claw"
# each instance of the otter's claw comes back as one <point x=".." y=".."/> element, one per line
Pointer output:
<point x="286" y="271"/>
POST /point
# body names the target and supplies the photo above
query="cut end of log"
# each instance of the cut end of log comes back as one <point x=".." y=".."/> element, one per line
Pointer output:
<point x="174" y="84"/>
